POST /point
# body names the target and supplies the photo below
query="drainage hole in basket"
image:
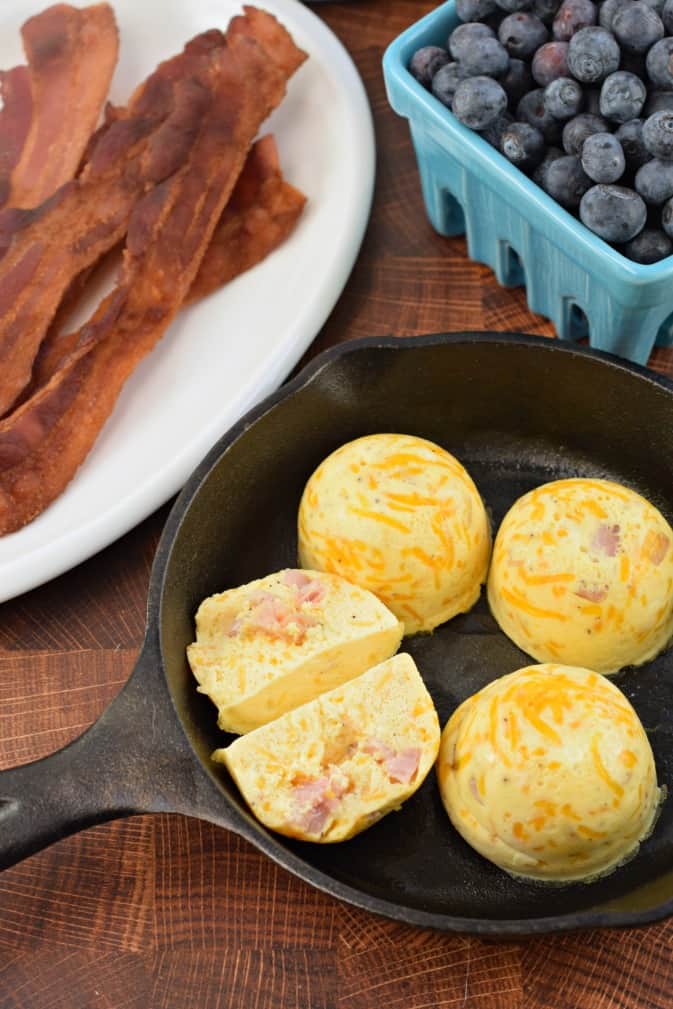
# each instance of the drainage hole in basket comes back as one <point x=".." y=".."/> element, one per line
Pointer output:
<point x="578" y="324"/>
<point x="512" y="272"/>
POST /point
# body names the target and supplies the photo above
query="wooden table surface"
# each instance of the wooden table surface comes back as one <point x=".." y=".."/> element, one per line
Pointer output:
<point x="163" y="912"/>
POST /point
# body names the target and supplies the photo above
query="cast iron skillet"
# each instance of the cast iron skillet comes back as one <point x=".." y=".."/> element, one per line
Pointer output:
<point x="517" y="411"/>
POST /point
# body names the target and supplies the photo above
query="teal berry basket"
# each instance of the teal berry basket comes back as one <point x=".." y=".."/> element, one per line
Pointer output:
<point x="571" y="276"/>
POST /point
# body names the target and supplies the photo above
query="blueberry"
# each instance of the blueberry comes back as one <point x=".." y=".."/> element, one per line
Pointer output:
<point x="521" y="34"/>
<point x="667" y="217"/>
<point x="514" y="5"/>
<point x="658" y="135"/>
<point x="475" y="10"/>
<point x="658" y="101"/>
<point x="660" y="64"/>
<point x="603" y="158"/>
<point x="445" y="82"/>
<point x="478" y="102"/>
<point x="630" y="136"/>
<point x="550" y="62"/>
<point x="485" y="57"/>
<point x="523" y="145"/>
<point x="493" y="133"/>
<point x="667" y="16"/>
<point x="637" y="27"/>
<point x="563" y="98"/>
<point x="576" y="131"/>
<point x="426" y="62"/>
<point x="573" y="15"/>
<point x="517" y="81"/>
<point x="540" y="173"/>
<point x="464" y="36"/>
<point x="649" y="246"/>
<point x="615" y="213"/>
<point x="622" y="96"/>
<point x="608" y="10"/>
<point x="593" y="53"/>
<point x="531" y="109"/>
<point x="566" y="181"/>
<point x="654" y="181"/>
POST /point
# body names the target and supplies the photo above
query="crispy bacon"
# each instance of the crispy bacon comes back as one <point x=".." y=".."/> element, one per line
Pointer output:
<point x="71" y="54"/>
<point x="43" y="442"/>
<point x="261" y="214"/>
<point x="15" y="117"/>
<point x="85" y="218"/>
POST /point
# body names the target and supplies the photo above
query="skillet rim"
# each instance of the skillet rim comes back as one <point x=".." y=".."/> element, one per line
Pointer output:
<point x="256" y="833"/>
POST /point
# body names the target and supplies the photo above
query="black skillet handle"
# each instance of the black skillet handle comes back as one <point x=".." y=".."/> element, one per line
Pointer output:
<point x="134" y="759"/>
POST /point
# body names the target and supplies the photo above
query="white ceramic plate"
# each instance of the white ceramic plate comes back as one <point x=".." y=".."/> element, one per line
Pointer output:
<point x="223" y="355"/>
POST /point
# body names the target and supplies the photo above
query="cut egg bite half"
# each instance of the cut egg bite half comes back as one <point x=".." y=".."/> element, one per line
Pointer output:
<point x="401" y="517"/>
<point x="269" y="646"/>
<point x="582" y="574"/>
<point x="333" y="767"/>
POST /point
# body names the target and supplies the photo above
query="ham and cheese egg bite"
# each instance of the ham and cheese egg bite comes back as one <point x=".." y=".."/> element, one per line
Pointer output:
<point x="582" y="573"/>
<point x="336" y="765"/>
<point x="548" y="773"/>
<point x="269" y="646"/>
<point x="401" y="517"/>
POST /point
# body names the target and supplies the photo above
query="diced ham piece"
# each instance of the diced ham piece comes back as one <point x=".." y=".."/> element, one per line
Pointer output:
<point x="296" y="579"/>
<point x="606" y="540"/>
<point x="403" y="766"/>
<point x="378" y="750"/>
<point x="314" y="803"/>
<point x="313" y="593"/>
<point x="594" y="593"/>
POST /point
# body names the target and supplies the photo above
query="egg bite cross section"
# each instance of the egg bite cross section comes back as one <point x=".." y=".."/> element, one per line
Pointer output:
<point x="336" y="765"/>
<point x="582" y="573"/>
<point x="548" y="773"/>
<point x="277" y="642"/>
<point x="401" y="517"/>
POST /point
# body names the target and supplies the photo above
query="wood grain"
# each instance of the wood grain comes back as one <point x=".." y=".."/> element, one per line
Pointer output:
<point x="167" y="913"/>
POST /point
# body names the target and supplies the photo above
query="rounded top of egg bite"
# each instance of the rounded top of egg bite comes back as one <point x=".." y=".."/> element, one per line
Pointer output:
<point x="548" y="773"/>
<point x="400" y="516"/>
<point x="582" y="573"/>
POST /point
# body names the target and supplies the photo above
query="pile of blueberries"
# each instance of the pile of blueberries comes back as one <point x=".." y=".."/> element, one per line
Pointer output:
<point x="579" y="95"/>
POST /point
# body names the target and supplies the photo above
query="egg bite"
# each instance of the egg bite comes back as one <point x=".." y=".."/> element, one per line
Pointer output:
<point x="582" y="573"/>
<point x="336" y="765"/>
<point x="269" y="646"/>
<point x="401" y="517"/>
<point x="548" y="773"/>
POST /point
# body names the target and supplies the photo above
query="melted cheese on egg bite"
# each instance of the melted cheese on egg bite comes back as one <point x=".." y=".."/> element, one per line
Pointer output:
<point x="266" y="647"/>
<point x="336" y="765"/>
<point x="400" y="516"/>
<point x="582" y="573"/>
<point x="548" y="773"/>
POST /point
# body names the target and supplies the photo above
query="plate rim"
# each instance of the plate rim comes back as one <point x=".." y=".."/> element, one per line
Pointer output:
<point x="51" y="558"/>
<point x="259" y="836"/>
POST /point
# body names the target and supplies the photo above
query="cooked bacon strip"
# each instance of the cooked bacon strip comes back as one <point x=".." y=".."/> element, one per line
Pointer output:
<point x="43" y="442"/>
<point x="48" y="247"/>
<point x="261" y="214"/>
<point x="71" y="54"/>
<point x="15" y="118"/>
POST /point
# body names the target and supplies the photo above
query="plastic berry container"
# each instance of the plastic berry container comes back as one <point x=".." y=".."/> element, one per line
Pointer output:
<point x="571" y="276"/>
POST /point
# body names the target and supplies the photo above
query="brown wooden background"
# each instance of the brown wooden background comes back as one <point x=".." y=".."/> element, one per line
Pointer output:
<point x="163" y="912"/>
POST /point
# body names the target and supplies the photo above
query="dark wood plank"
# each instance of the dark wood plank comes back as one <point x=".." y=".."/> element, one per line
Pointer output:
<point x="165" y="912"/>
